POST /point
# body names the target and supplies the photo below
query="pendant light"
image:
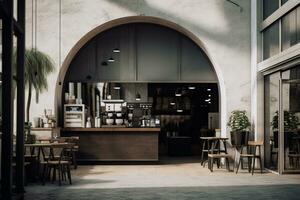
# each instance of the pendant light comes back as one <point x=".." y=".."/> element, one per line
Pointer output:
<point x="137" y="94"/>
<point x="109" y="92"/>
<point x="111" y="59"/>
<point x="191" y="87"/>
<point x="117" y="86"/>
<point x="137" y="97"/>
<point x="116" y="50"/>
<point x="178" y="92"/>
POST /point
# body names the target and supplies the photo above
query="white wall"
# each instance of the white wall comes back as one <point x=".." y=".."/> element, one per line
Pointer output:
<point x="223" y="29"/>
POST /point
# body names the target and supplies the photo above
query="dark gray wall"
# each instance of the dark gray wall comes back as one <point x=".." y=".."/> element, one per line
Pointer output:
<point x="149" y="53"/>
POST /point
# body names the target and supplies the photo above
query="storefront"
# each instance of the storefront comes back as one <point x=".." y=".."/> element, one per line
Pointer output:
<point x="143" y="83"/>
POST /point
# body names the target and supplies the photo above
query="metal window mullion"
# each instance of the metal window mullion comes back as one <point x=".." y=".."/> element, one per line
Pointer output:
<point x="281" y="128"/>
<point x="279" y="35"/>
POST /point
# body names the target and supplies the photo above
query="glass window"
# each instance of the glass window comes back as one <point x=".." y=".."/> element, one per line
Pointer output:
<point x="291" y="111"/>
<point x="269" y="6"/>
<point x="284" y="1"/>
<point x="289" y="30"/>
<point x="271" y="41"/>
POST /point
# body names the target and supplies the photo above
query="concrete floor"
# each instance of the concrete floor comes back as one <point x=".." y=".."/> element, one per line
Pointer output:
<point x="172" y="179"/>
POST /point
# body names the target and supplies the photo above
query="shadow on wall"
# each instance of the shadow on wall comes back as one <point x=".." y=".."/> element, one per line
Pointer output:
<point x="231" y="16"/>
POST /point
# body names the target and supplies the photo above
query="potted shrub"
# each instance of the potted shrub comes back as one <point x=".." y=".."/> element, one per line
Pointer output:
<point x="291" y="122"/>
<point x="239" y="124"/>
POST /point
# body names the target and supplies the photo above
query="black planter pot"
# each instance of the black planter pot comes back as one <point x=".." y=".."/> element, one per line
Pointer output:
<point x="288" y="139"/>
<point x="239" y="138"/>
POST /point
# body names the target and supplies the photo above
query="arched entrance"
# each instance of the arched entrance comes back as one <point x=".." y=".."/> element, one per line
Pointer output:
<point x="139" y="19"/>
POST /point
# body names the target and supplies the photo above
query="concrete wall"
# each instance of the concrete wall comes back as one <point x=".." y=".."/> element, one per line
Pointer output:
<point x="219" y="24"/>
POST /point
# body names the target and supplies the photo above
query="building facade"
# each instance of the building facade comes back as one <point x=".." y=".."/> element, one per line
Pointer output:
<point x="246" y="41"/>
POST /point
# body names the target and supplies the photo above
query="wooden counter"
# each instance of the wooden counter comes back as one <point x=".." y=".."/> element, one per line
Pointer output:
<point x="116" y="143"/>
<point x="113" y="129"/>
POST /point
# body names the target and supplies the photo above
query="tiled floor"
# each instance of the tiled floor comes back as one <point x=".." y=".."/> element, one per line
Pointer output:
<point x="185" y="179"/>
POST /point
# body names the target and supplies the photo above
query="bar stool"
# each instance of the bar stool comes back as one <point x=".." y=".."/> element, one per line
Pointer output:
<point x="253" y="153"/>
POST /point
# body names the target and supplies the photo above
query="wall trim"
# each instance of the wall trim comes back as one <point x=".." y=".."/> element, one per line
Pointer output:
<point x="287" y="56"/>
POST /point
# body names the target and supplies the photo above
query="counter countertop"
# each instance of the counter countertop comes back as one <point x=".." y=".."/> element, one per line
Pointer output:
<point x="42" y="129"/>
<point x="120" y="129"/>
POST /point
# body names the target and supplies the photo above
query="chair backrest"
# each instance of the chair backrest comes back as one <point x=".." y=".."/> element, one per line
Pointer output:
<point x="58" y="151"/>
<point x="254" y="143"/>
<point x="74" y="140"/>
<point x="218" y="132"/>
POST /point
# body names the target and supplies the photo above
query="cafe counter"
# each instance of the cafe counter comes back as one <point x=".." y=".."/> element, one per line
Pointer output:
<point x="115" y="143"/>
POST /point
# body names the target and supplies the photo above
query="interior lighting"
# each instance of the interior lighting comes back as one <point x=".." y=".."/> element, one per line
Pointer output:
<point x="116" y="50"/>
<point x="111" y="59"/>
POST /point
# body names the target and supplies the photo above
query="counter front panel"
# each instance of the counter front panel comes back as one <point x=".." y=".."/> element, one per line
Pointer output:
<point x="116" y="144"/>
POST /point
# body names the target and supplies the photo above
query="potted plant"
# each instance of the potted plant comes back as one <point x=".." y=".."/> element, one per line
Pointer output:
<point x="37" y="66"/>
<point x="239" y="124"/>
<point x="291" y="122"/>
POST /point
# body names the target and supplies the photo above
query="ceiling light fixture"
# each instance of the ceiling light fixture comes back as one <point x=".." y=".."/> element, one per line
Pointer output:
<point x="207" y="100"/>
<point x="117" y="86"/>
<point x="137" y="97"/>
<point x="172" y="103"/>
<point x="116" y="50"/>
<point x="178" y="93"/>
<point x="179" y="110"/>
<point x="192" y="87"/>
<point x="209" y="95"/>
<point x="208" y="89"/>
<point x="111" y="59"/>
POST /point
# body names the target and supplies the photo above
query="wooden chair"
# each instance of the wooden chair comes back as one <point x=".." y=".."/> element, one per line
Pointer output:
<point x="212" y="155"/>
<point x="253" y="153"/>
<point x="294" y="155"/>
<point x="58" y="161"/>
<point x="206" y="148"/>
<point x="73" y="151"/>
<point x="247" y="155"/>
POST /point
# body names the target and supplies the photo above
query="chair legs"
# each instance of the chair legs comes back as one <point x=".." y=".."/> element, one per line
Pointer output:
<point x="253" y="164"/>
<point x="74" y="160"/>
<point x="202" y="153"/>
<point x="211" y="163"/>
<point x="238" y="166"/>
<point x="240" y="163"/>
<point x="64" y="172"/>
<point x="69" y="174"/>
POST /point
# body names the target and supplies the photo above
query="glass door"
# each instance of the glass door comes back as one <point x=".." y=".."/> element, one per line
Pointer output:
<point x="289" y="124"/>
<point x="282" y="121"/>
<point x="271" y="145"/>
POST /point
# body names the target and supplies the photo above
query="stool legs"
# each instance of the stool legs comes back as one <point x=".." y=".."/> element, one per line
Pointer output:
<point x="202" y="153"/>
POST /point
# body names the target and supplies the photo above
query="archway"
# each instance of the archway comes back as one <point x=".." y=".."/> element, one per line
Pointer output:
<point x="140" y="19"/>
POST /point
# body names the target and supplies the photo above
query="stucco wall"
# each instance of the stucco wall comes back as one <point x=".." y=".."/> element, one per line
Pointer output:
<point x="223" y="29"/>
